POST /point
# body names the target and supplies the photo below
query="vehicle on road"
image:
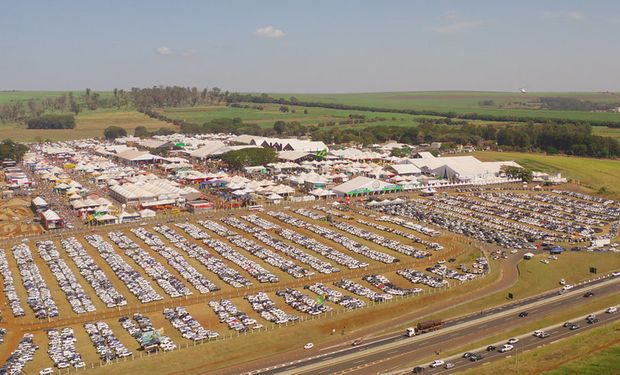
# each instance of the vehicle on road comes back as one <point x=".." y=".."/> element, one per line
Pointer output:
<point x="506" y="348"/>
<point x="448" y="365"/>
<point x="523" y="314"/>
<point x="588" y="294"/>
<point x="357" y="342"/>
<point x="615" y="274"/>
<point x="591" y="319"/>
<point x="467" y="355"/>
<point x="513" y="340"/>
<point x="436" y="363"/>
<point x="567" y="287"/>
<point x="475" y="357"/>
<point x="491" y="348"/>
<point x="417" y="370"/>
<point x="410" y="332"/>
<point x="544" y="335"/>
<point x="574" y="326"/>
<point x="611" y="310"/>
<point x="429" y="325"/>
<point x="309" y="346"/>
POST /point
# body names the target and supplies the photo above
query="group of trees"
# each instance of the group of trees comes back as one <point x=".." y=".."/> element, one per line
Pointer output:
<point x="222" y="125"/>
<point x="112" y="132"/>
<point x="175" y="96"/>
<point x="12" y="150"/>
<point x="238" y="159"/>
<point x="51" y="121"/>
<point x="142" y="132"/>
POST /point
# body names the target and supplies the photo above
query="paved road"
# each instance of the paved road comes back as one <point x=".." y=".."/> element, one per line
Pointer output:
<point x="381" y="351"/>
<point x="526" y="342"/>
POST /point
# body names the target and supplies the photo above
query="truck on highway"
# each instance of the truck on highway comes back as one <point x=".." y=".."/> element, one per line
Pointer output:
<point x="423" y="327"/>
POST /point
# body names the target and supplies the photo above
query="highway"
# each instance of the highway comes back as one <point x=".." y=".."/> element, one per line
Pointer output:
<point x="526" y="342"/>
<point x="456" y="332"/>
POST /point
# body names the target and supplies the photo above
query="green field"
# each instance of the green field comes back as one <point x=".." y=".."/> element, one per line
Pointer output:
<point x="604" y="131"/>
<point x="89" y="124"/>
<point x="271" y="114"/>
<point x="468" y="102"/>
<point x="593" y="174"/>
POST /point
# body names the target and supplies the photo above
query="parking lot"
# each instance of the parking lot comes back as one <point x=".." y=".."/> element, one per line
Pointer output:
<point x="200" y="279"/>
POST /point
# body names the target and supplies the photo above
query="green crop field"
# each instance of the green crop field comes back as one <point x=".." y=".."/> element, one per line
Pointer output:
<point x="604" y="131"/>
<point x="468" y="102"/>
<point x="271" y="114"/>
<point x="588" y="172"/>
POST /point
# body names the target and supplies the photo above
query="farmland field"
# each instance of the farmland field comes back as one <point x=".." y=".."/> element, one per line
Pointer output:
<point x="88" y="124"/>
<point x="588" y="172"/>
<point x="604" y="131"/>
<point x="271" y="114"/>
<point x="463" y="102"/>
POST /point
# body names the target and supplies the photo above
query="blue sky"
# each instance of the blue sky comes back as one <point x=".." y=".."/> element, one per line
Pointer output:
<point x="312" y="46"/>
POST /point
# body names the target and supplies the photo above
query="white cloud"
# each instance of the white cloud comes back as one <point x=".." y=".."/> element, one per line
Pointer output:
<point x="269" y="32"/>
<point x="164" y="51"/>
<point x="458" y="27"/>
<point x="190" y="52"/>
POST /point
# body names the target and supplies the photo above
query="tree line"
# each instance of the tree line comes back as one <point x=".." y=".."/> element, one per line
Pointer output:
<point x="51" y="121"/>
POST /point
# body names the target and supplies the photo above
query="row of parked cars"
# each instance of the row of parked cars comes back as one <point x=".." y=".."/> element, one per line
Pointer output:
<point x="385" y="285"/>
<point x="267" y="255"/>
<point x="294" y="252"/>
<point x="407" y="250"/>
<point x="322" y="249"/>
<point x="107" y="345"/>
<point x="362" y="291"/>
<point x="253" y="268"/>
<point x="62" y="349"/>
<point x="189" y="327"/>
<point x="346" y="242"/>
<point x="176" y="261"/>
<point x="410" y="236"/>
<point x="132" y="279"/>
<point x="259" y="221"/>
<point x="236" y="320"/>
<point x="90" y="271"/>
<point x="39" y="295"/>
<point x="551" y="205"/>
<point x="528" y="212"/>
<point x="9" y="290"/>
<point x="214" y="264"/>
<point x="76" y="295"/>
<point x="425" y="211"/>
<point x="416" y="227"/>
<point x="418" y="277"/>
<point x="160" y="274"/>
<point x="262" y="304"/>
<point x="335" y="296"/>
<point x="302" y="302"/>
<point x="18" y="359"/>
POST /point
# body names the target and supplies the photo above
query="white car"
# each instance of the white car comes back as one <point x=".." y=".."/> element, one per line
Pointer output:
<point x="437" y="363"/>
<point x="309" y="346"/>
<point x="567" y="287"/>
<point x="513" y="340"/>
<point x="612" y="310"/>
<point x="615" y="274"/>
<point x="506" y="348"/>
<point x="545" y="261"/>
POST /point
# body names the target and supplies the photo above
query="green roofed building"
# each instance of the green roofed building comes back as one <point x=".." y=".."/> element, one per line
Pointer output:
<point x="364" y="186"/>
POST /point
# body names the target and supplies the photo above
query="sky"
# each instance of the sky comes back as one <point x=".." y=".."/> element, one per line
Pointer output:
<point x="299" y="46"/>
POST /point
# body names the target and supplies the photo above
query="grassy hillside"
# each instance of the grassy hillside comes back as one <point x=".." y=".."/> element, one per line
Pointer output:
<point x="271" y="114"/>
<point x="468" y="102"/>
<point x="591" y="173"/>
<point x="89" y="124"/>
